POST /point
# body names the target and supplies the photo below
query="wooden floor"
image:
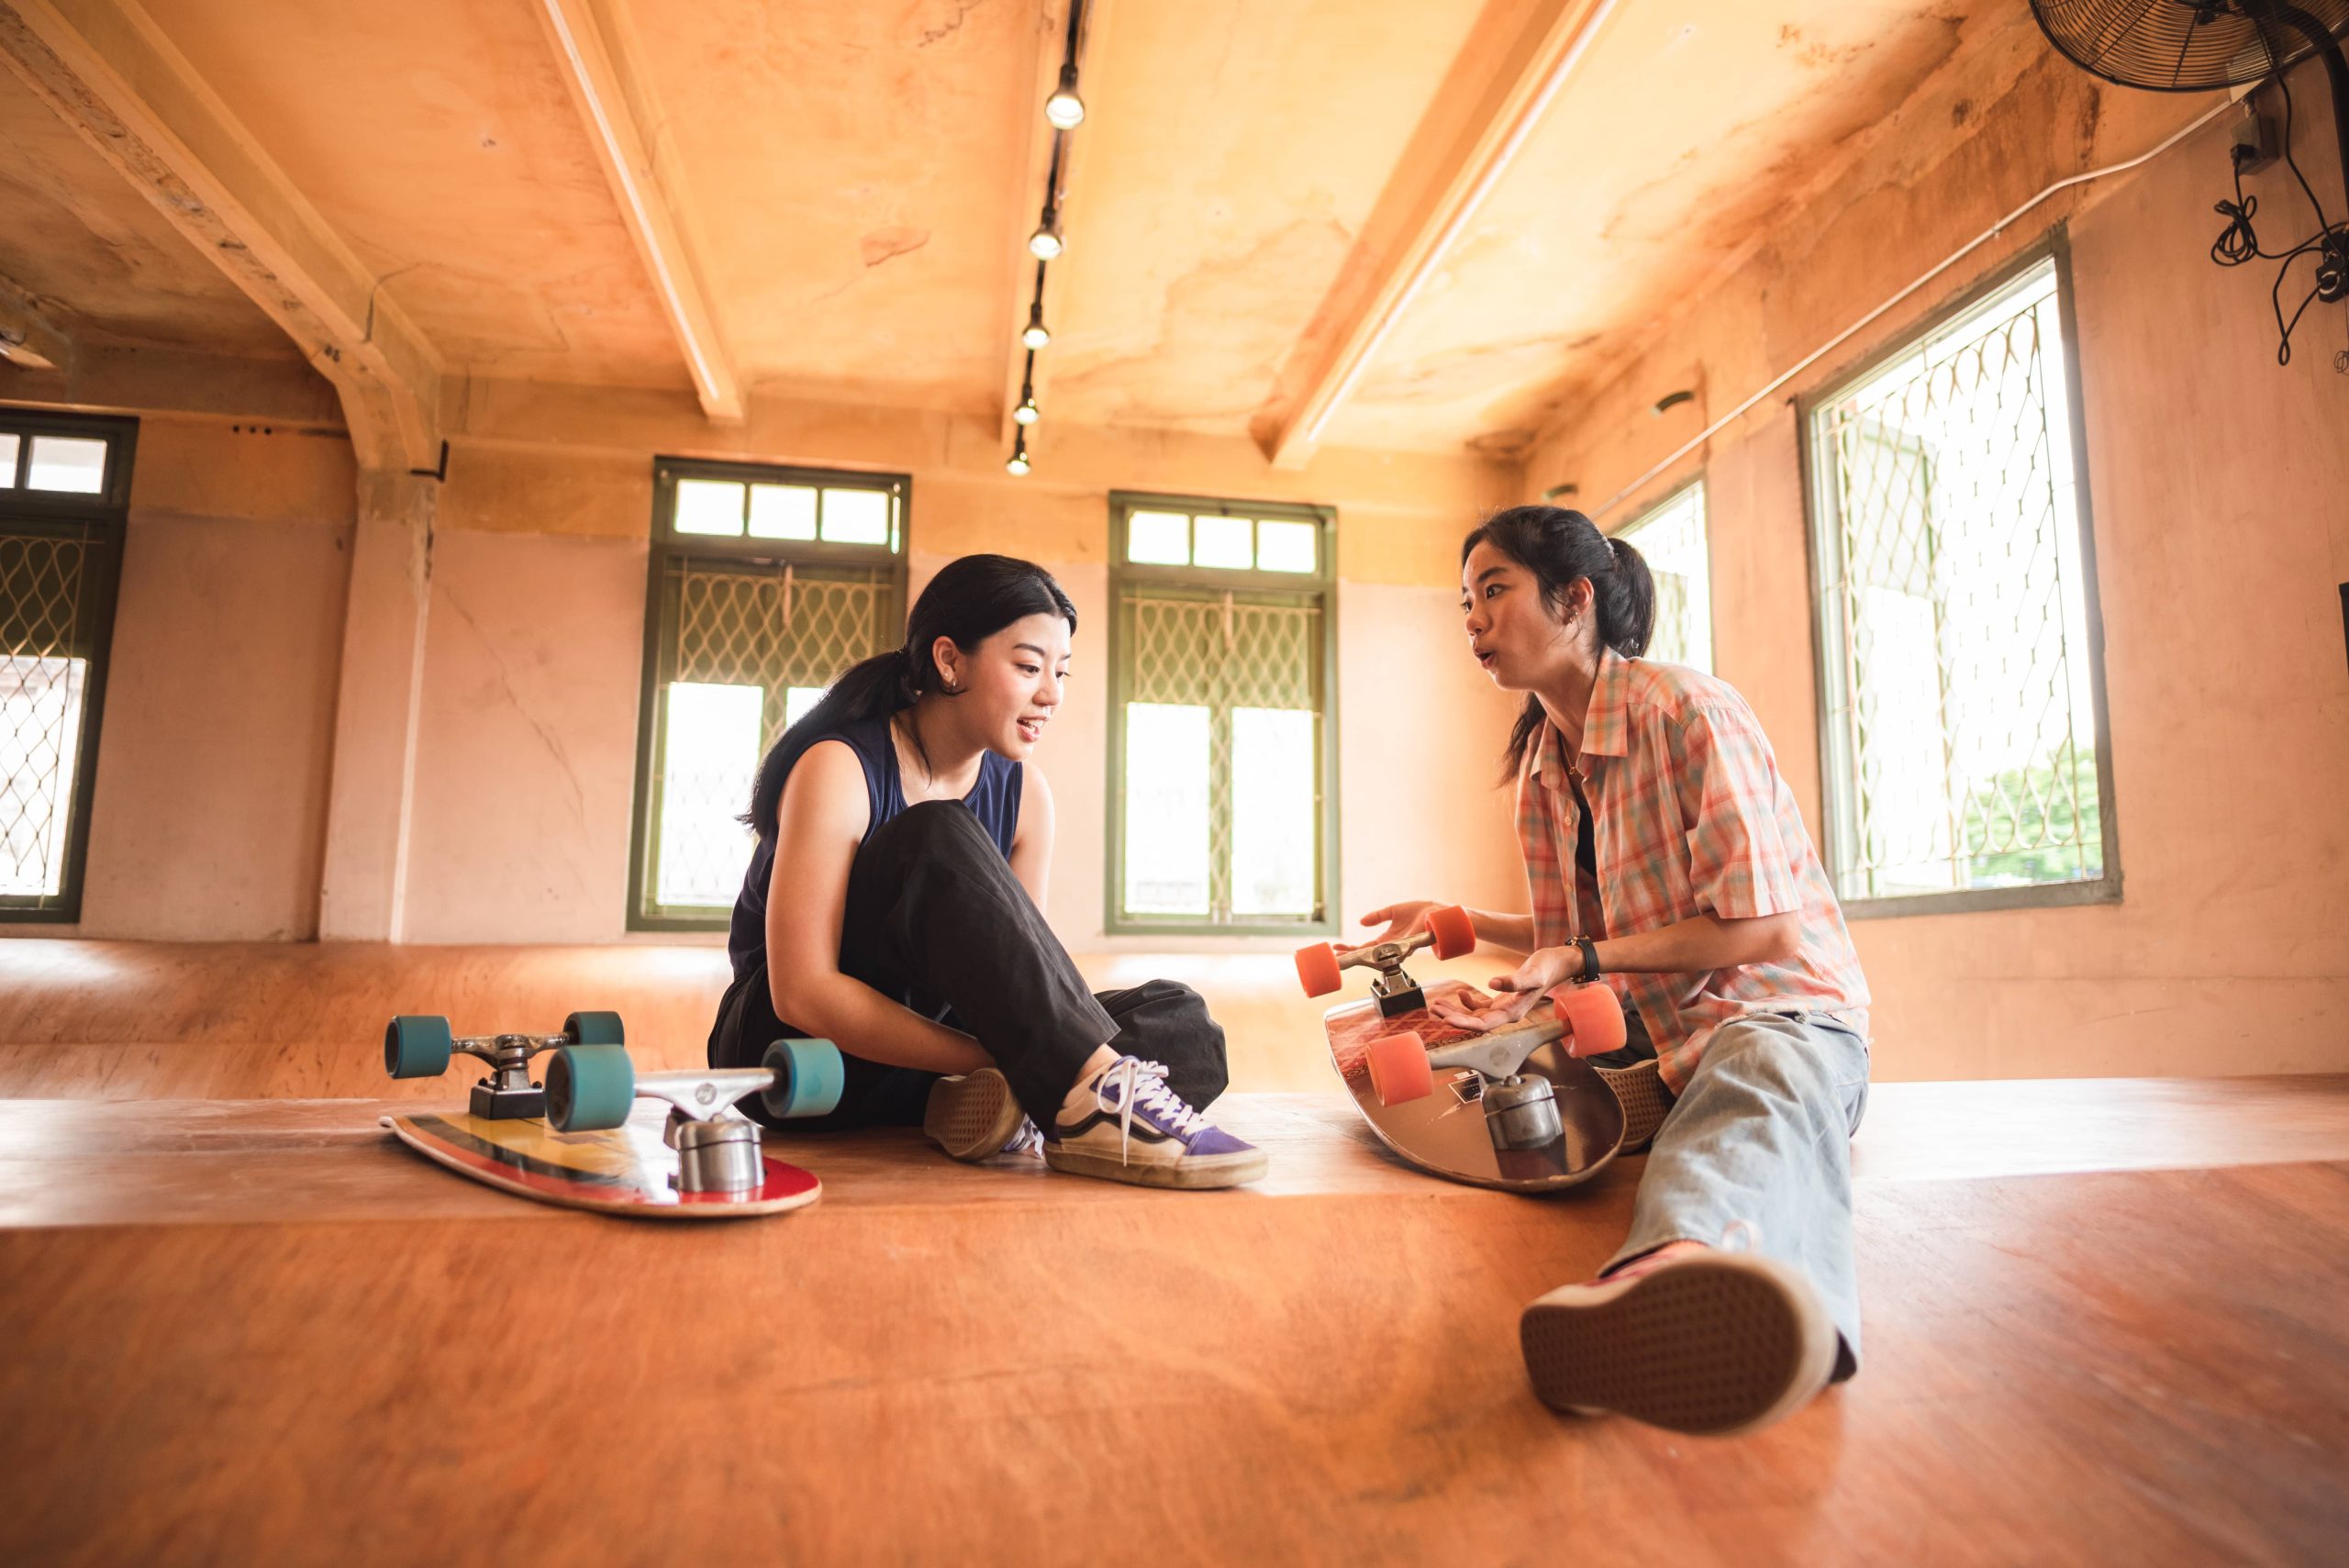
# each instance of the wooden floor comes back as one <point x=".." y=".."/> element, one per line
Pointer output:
<point x="2107" y="1322"/>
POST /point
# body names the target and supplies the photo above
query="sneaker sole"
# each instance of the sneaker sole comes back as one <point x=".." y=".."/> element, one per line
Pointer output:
<point x="1713" y="1345"/>
<point x="972" y="1117"/>
<point x="1195" y="1174"/>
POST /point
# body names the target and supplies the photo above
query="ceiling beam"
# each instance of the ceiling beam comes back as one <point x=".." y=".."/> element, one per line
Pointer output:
<point x="1509" y="72"/>
<point x="31" y="338"/>
<point x="592" y="46"/>
<point x="111" y="74"/>
<point x="1028" y="201"/>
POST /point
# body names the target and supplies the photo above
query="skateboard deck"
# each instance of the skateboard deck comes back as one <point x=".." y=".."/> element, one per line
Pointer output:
<point x="1444" y="1132"/>
<point x="628" y="1170"/>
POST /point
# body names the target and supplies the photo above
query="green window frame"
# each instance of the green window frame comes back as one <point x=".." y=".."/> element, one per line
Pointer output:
<point x="764" y="584"/>
<point x="1965" y="750"/>
<point x="64" y="504"/>
<point x="1674" y="538"/>
<point x="1199" y="621"/>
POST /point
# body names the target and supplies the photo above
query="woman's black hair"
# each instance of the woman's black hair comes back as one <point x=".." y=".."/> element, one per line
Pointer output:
<point x="1560" y="548"/>
<point x="970" y="600"/>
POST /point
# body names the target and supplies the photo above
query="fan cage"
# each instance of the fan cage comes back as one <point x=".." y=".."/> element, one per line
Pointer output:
<point x="2186" y="46"/>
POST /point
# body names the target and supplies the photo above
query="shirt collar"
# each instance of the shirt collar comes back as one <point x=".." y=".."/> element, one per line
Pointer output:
<point x="1606" y="729"/>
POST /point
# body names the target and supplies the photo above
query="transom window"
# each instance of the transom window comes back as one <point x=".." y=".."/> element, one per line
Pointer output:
<point x="765" y="583"/>
<point x="1222" y="757"/>
<point x="1961" y="660"/>
<point x="1670" y="536"/>
<point x="64" y="494"/>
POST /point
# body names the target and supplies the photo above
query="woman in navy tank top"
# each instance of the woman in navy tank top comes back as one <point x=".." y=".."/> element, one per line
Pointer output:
<point x="893" y="904"/>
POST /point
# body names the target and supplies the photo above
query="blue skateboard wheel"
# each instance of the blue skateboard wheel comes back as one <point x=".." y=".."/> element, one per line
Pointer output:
<point x="589" y="1087"/>
<point x="417" y="1046"/>
<point x="808" y="1079"/>
<point x="594" y="1029"/>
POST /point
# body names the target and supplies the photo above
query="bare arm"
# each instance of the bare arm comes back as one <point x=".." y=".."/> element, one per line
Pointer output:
<point x="1031" y="837"/>
<point x="1512" y="933"/>
<point x="1695" y="946"/>
<point x="822" y="822"/>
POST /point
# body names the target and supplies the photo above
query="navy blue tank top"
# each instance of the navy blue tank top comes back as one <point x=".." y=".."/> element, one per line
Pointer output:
<point x="995" y="800"/>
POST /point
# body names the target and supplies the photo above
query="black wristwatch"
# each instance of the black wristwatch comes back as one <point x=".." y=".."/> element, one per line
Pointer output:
<point x="1590" y="959"/>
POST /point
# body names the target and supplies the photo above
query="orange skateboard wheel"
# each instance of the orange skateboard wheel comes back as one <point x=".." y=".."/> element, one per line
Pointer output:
<point x="1317" y="966"/>
<point x="1454" y="933"/>
<point x="1594" y="1015"/>
<point x="1399" y="1069"/>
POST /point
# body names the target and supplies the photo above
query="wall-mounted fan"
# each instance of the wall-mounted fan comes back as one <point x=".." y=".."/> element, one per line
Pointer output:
<point x="2195" y="46"/>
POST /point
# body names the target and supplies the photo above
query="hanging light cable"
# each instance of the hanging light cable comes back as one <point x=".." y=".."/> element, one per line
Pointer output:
<point x="1034" y="335"/>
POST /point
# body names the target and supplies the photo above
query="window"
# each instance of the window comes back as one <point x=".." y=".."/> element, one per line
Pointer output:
<point x="1961" y="661"/>
<point x="1671" y="538"/>
<point x="1222" y="752"/>
<point x="765" y="583"/>
<point x="64" y="492"/>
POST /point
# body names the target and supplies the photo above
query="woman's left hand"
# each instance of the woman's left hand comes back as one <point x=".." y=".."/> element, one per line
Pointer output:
<point x="1547" y="967"/>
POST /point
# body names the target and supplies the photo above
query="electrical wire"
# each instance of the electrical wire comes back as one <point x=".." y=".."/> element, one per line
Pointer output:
<point x="2238" y="242"/>
<point x="1856" y="328"/>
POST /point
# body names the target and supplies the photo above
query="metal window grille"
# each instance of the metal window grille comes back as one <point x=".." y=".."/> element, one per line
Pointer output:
<point x="1962" y="694"/>
<point x="1670" y="536"/>
<point x="742" y="637"/>
<point x="63" y="482"/>
<point x="1221" y="745"/>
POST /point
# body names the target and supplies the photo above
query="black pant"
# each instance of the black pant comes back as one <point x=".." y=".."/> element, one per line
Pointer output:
<point x="936" y="920"/>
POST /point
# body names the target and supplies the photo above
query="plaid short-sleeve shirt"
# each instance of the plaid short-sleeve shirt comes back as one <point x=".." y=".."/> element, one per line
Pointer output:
<point x="1688" y="817"/>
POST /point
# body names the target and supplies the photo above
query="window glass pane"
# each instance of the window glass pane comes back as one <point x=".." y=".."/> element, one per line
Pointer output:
<point x="782" y="511"/>
<point x="1672" y="540"/>
<point x="797" y="701"/>
<point x="1166" y="809"/>
<point x="856" y="517"/>
<point x="8" y="462"/>
<point x="1273" y="827"/>
<point x="1226" y="543"/>
<point x="40" y="741"/>
<point x="709" y="506"/>
<point x="68" y="462"/>
<point x="706" y="765"/>
<point x="1961" y="717"/>
<point x="1159" y="539"/>
<point x="1286" y="547"/>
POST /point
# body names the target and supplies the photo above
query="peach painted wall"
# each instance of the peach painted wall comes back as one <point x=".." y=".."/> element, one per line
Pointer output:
<point x="209" y="816"/>
<point x="2217" y="481"/>
<point x="527" y="740"/>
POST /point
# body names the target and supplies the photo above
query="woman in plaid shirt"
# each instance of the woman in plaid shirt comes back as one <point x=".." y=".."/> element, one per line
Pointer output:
<point x="1666" y="859"/>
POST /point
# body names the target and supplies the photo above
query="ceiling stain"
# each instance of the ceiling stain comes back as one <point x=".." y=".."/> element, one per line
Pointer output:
<point x="896" y="239"/>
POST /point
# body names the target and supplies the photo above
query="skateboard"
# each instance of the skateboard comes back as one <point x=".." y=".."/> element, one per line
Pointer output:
<point x="576" y="1141"/>
<point x="1511" y="1109"/>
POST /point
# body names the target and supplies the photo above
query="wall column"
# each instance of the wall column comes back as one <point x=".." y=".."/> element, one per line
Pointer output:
<point x="362" y="894"/>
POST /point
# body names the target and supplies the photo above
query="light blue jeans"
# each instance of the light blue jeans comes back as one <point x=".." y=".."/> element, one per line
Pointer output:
<point x="1762" y="1134"/>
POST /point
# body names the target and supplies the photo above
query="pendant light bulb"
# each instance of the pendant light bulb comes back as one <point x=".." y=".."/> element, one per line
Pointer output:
<point x="1026" y="413"/>
<point x="1033" y="335"/>
<point x="1045" y="243"/>
<point x="1065" y="110"/>
<point x="1018" y="466"/>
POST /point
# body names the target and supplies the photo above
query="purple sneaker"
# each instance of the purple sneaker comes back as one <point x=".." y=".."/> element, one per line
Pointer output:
<point x="1140" y="1131"/>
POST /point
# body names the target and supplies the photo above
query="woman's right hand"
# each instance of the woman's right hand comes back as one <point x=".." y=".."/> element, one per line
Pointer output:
<point x="1405" y="920"/>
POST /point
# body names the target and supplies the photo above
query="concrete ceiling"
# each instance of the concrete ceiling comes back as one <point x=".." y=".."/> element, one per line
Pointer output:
<point x="845" y="183"/>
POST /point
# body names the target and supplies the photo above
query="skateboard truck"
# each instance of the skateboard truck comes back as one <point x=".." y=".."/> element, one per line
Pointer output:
<point x="591" y="1088"/>
<point x="1449" y="932"/>
<point x="1521" y="1107"/>
<point x="419" y="1046"/>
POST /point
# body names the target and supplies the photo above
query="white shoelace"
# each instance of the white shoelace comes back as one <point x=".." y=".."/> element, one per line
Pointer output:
<point x="1144" y="1083"/>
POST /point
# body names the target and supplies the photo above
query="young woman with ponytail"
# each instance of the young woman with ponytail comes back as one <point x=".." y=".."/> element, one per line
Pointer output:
<point x="1666" y="859"/>
<point x="893" y="904"/>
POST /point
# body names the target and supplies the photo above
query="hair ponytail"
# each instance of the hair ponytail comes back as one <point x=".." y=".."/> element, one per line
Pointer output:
<point x="1561" y="547"/>
<point x="970" y="600"/>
